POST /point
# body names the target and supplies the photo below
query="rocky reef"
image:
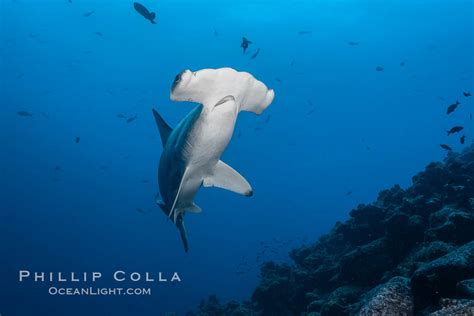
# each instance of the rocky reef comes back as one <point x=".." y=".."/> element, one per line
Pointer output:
<point x="411" y="252"/>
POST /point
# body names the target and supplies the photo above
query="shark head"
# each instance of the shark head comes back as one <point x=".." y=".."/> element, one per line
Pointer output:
<point x="209" y="86"/>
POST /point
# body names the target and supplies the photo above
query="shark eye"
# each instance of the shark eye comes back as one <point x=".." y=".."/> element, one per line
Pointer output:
<point x="177" y="80"/>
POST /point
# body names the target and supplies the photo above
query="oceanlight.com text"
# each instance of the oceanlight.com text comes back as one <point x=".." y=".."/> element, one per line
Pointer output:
<point x="97" y="291"/>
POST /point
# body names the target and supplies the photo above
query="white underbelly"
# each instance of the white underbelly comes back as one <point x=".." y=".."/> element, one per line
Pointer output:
<point x="207" y="141"/>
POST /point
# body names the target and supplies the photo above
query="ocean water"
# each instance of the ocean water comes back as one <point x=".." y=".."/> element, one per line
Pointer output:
<point x="78" y="182"/>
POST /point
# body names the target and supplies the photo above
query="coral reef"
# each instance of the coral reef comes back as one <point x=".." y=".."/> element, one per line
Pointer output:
<point x="411" y="252"/>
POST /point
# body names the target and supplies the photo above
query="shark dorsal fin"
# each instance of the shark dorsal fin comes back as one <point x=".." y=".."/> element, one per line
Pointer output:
<point x="165" y="129"/>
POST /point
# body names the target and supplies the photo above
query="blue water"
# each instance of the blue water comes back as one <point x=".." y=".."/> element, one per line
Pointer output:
<point x="337" y="133"/>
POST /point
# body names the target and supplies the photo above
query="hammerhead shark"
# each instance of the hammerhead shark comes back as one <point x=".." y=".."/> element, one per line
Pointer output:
<point x="192" y="150"/>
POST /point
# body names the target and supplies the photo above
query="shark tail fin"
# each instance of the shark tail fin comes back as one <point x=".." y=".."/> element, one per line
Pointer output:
<point x="152" y="17"/>
<point x="182" y="232"/>
<point x="165" y="129"/>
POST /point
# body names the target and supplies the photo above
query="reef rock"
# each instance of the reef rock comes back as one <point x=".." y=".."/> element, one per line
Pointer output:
<point x="466" y="288"/>
<point x="391" y="298"/>
<point x="455" y="308"/>
<point x="438" y="278"/>
<point x="409" y="252"/>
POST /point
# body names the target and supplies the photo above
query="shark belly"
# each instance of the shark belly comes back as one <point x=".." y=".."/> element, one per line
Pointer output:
<point x="207" y="140"/>
<point x="193" y="150"/>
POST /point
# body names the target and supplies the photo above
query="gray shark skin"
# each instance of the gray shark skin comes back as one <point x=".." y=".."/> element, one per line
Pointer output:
<point x="192" y="150"/>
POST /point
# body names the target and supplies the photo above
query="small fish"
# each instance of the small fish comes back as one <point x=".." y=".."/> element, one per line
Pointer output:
<point x="470" y="116"/>
<point x="143" y="11"/>
<point x="88" y="14"/>
<point x="33" y="35"/>
<point x="292" y="63"/>
<point x="379" y="68"/>
<point x="304" y="32"/>
<point x="278" y="80"/>
<point x="353" y="43"/>
<point x="120" y="115"/>
<point x="131" y="119"/>
<point x="245" y="44"/>
<point x="268" y="119"/>
<point x="462" y="139"/>
<point x="216" y="34"/>
<point x="368" y="148"/>
<point x="24" y="113"/>
<point x="311" y="111"/>
<point x="255" y="54"/>
<point x="446" y="147"/>
<point x="452" y="107"/>
<point x="57" y="168"/>
<point x="144" y="181"/>
<point x="455" y="129"/>
<point x="348" y="193"/>
<point x="466" y="94"/>
<point x="78" y="139"/>
<point x="257" y="129"/>
<point x="402" y="64"/>
<point x="99" y="34"/>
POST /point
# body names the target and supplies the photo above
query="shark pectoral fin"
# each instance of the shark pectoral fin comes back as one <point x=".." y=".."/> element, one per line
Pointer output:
<point x="173" y="214"/>
<point x="193" y="208"/>
<point x="165" y="129"/>
<point x="225" y="177"/>
<point x="224" y="100"/>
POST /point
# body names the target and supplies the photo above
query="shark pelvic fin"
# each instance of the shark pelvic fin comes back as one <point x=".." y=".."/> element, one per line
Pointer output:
<point x="225" y="177"/>
<point x="165" y="129"/>
<point x="193" y="208"/>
